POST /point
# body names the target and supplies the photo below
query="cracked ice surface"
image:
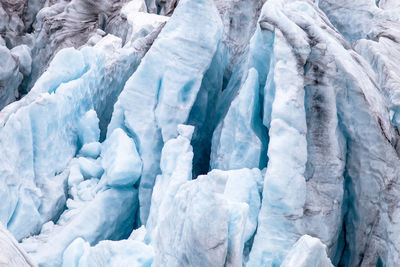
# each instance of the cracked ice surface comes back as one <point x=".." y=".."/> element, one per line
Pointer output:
<point x="199" y="133"/>
<point x="161" y="93"/>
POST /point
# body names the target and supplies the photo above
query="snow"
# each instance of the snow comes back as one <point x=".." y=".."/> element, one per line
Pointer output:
<point x="142" y="23"/>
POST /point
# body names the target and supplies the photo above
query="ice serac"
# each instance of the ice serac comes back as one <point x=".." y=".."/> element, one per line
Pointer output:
<point x="237" y="140"/>
<point x="17" y="17"/>
<point x="108" y="253"/>
<point x="308" y="91"/>
<point x="120" y="160"/>
<point x="239" y="18"/>
<point x="34" y="143"/>
<point x="239" y="23"/>
<point x="11" y="253"/>
<point x="176" y="197"/>
<point x="41" y="130"/>
<point x="161" y="93"/>
<point x="345" y="157"/>
<point x="176" y="167"/>
<point x="362" y="19"/>
<point x="307" y="252"/>
<point x="108" y="212"/>
<point x="16" y="64"/>
<point x="256" y="57"/>
<point x="105" y="197"/>
<point x="378" y="42"/>
<point x="284" y="186"/>
<point x="223" y="202"/>
<point x="59" y="25"/>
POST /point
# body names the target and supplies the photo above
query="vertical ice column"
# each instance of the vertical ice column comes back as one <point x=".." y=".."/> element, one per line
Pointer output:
<point x="238" y="139"/>
<point x="176" y="167"/>
<point x="284" y="193"/>
<point x="161" y="93"/>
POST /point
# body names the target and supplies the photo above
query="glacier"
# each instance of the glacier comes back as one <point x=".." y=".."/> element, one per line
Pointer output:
<point x="199" y="133"/>
<point x="11" y="252"/>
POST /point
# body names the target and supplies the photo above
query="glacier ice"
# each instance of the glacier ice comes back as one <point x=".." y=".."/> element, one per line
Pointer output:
<point x="15" y="64"/>
<point x="23" y="54"/>
<point x="108" y="253"/>
<point x="90" y="150"/>
<point x="120" y="160"/>
<point x="217" y="202"/>
<point x="76" y="81"/>
<point x="161" y="93"/>
<point x="11" y="253"/>
<point x="176" y="168"/>
<point x="106" y="198"/>
<point x="15" y="48"/>
<point x="235" y="142"/>
<point x="238" y="191"/>
<point x="308" y="251"/>
<point x="107" y="210"/>
<point x="347" y="144"/>
<point x="35" y="166"/>
<point x="199" y="133"/>
<point x="66" y="16"/>
<point x="88" y="128"/>
<point x="243" y="79"/>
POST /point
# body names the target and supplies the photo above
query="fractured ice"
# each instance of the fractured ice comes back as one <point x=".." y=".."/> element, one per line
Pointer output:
<point x="199" y="133"/>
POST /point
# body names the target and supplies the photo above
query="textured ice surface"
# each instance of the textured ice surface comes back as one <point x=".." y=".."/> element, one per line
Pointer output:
<point x="120" y="160"/>
<point x="15" y="51"/>
<point x="121" y="253"/>
<point x="15" y="64"/>
<point x="67" y="17"/>
<point x="127" y="252"/>
<point x="181" y="207"/>
<point x="235" y="141"/>
<point x="241" y="86"/>
<point x="32" y="167"/>
<point x="307" y="252"/>
<point x="108" y="203"/>
<point x="142" y="23"/>
<point x="161" y="93"/>
<point x="115" y="157"/>
<point x="217" y="202"/>
<point x="11" y="254"/>
<point x="108" y="210"/>
<point x="335" y="84"/>
<point x="176" y="168"/>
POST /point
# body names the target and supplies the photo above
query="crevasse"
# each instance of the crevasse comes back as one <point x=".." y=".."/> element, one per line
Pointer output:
<point x="199" y="133"/>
